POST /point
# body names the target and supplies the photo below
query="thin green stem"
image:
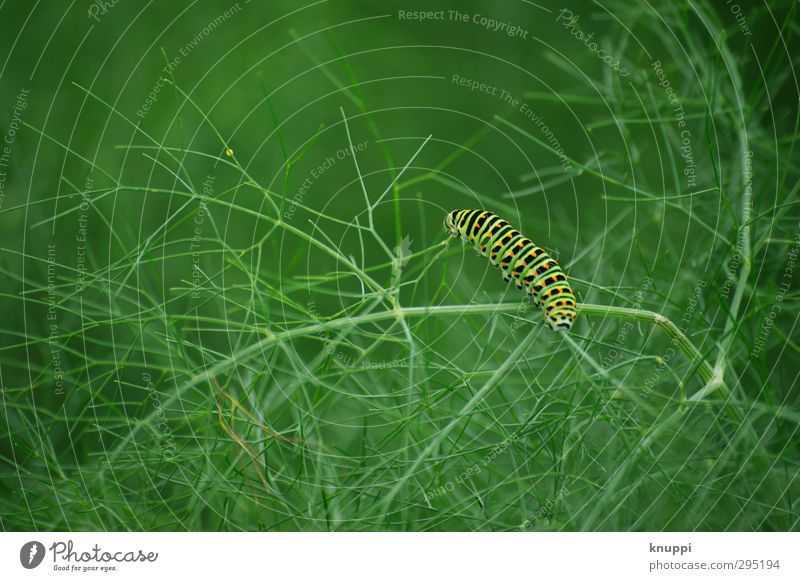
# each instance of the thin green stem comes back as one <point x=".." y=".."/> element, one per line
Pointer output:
<point x="678" y="337"/>
<point x="743" y="240"/>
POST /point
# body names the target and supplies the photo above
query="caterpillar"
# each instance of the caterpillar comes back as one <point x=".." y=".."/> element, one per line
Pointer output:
<point x="521" y="261"/>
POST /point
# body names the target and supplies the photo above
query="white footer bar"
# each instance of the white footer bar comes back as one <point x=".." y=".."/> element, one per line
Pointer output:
<point x="401" y="556"/>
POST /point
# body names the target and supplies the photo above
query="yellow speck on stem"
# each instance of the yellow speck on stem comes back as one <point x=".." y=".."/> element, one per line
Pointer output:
<point x="229" y="152"/>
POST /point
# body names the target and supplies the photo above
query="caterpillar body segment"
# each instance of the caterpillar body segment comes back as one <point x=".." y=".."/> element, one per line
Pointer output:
<point x="520" y="260"/>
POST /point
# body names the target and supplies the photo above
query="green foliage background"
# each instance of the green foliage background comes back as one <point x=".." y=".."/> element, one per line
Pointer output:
<point x="282" y="339"/>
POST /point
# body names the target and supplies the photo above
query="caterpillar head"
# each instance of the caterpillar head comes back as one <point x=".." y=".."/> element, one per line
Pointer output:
<point x="450" y="223"/>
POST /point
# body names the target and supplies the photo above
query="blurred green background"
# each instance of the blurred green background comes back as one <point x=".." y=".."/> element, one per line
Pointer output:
<point x="228" y="303"/>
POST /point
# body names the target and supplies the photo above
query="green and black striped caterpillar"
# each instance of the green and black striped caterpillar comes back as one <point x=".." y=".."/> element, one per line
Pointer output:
<point x="520" y="260"/>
